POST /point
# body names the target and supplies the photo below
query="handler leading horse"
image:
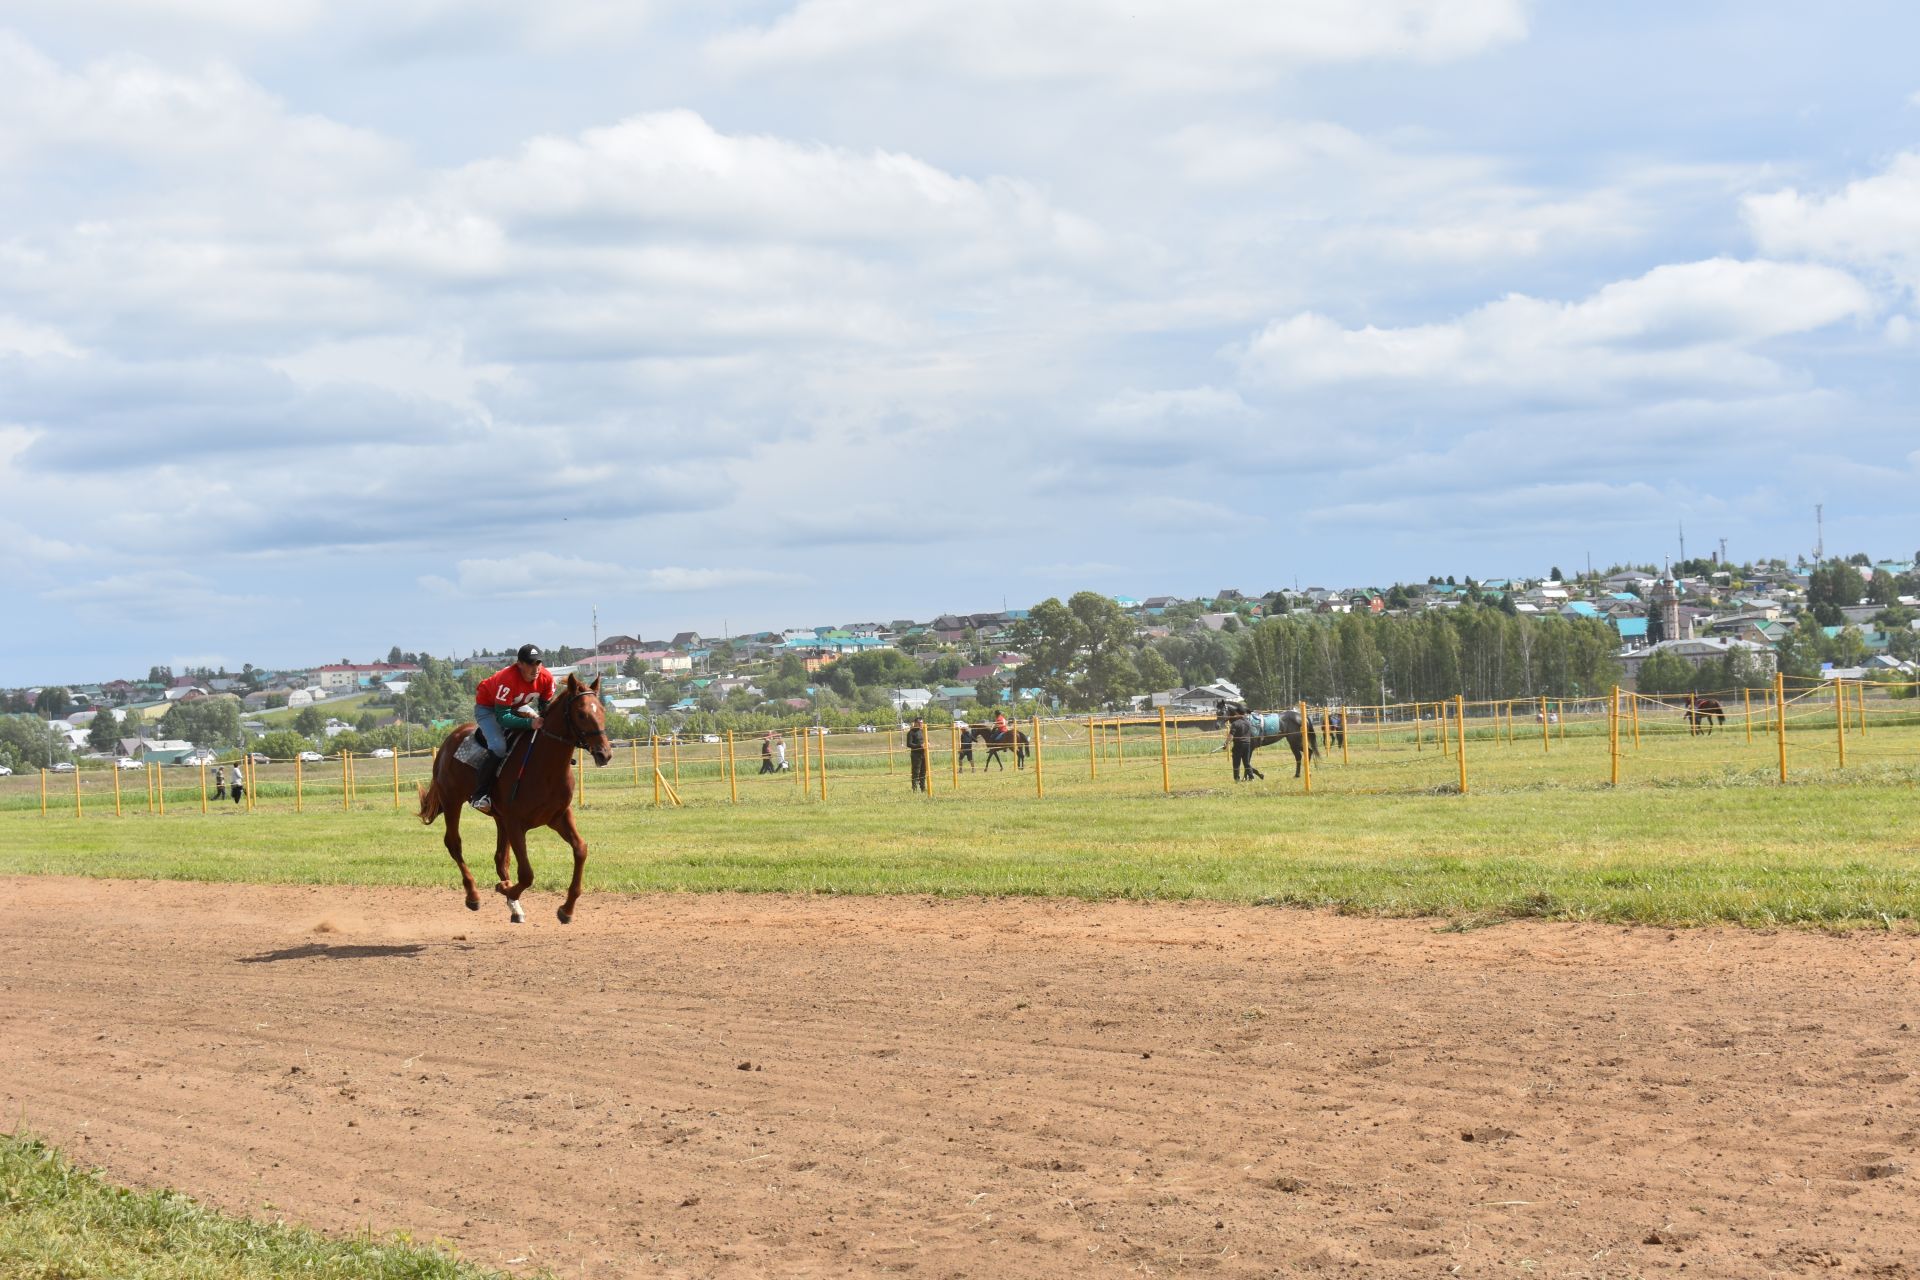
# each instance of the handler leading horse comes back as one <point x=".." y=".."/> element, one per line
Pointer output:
<point x="535" y="789"/>
<point x="1270" y="727"/>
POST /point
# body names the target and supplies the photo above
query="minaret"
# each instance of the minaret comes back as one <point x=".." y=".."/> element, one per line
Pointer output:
<point x="1665" y="599"/>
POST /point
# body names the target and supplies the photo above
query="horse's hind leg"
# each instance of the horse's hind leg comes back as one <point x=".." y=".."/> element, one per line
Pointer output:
<point x="452" y="841"/>
<point x="569" y="832"/>
<point x="511" y="892"/>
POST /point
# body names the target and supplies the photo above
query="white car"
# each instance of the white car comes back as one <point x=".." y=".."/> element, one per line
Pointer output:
<point x="6" y="771"/>
<point x="381" y="753"/>
<point x="709" y="737"/>
<point x="64" y="766"/>
<point x="129" y="764"/>
<point x="311" y="757"/>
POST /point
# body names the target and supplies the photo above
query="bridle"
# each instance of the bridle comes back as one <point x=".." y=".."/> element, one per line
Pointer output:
<point x="578" y="741"/>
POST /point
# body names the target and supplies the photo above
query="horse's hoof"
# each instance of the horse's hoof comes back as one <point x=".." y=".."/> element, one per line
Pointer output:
<point x="566" y="916"/>
<point x="516" y="914"/>
<point x="473" y="903"/>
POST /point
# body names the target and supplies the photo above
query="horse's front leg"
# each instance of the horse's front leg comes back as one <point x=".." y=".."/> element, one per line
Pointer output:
<point x="517" y="838"/>
<point x="568" y="831"/>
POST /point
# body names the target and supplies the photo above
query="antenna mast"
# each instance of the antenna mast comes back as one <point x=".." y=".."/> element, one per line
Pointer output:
<point x="1819" y="532"/>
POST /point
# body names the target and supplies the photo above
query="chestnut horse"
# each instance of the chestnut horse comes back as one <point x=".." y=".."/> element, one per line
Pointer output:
<point x="533" y="789"/>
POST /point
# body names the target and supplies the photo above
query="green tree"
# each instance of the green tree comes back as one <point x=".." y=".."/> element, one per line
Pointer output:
<point x="1155" y="672"/>
<point x="26" y="743"/>
<point x="633" y="668"/>
<point x="159" y="675"/>
<point x="311" y="722"/>
<point x="205" y="722"/>
<point x="283" y="744"/>
<point x="53" y="702"/>
<point x="104" y="733"/>
<point x="1665" y="672"/>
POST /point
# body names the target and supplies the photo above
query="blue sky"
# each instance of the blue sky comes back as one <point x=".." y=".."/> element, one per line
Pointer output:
<point x="326" y="326"/>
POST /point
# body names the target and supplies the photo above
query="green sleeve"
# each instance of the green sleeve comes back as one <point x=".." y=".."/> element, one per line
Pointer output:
<point x="515" y="721"/>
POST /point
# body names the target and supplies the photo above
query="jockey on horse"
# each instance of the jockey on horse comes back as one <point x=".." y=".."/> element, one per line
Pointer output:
<point x="501" y="705"/>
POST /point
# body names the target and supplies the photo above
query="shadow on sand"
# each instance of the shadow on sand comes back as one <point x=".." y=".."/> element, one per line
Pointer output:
<point x="328" y="951"/>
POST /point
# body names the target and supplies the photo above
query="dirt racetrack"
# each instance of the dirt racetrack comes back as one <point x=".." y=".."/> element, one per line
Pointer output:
<point x="746" y="1085"/>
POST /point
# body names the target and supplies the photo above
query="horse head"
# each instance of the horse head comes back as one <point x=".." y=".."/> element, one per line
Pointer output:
<point x="585" y="719"/>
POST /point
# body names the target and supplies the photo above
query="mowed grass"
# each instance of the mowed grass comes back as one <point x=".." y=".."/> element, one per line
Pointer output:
<point x="1701" y="831"/>
<point x="58" y="1221"/>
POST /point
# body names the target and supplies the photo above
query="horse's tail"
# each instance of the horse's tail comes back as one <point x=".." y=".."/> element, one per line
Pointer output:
<point x="430" y="799"/>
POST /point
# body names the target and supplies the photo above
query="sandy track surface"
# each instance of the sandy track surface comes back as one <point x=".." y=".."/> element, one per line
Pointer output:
<point x="744" y="1085"/>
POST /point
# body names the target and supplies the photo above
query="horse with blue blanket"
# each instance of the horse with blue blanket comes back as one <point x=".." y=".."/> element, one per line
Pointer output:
<point x="1263" y="729"/>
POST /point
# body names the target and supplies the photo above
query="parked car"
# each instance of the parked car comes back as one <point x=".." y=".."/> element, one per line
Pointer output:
<point x="129" y="763"/>
<point x="311" y="757"/>
<point x="709" y="737"/>
<point x="867" y="728"/>
<point x="194" y="759"/>
<point x="6" y="771"/>
<point x="259" y="757"/>
<point x="64" y="766"/>
<point x="381" y="753"/>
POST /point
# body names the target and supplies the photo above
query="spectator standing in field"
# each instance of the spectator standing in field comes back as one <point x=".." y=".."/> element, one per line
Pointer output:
<point x="240" y="780"/>
<point x="780" y="754"/>
<point x="766" y="752"/>
<point x="219" y="784"/>
<point x="917" y="753"/>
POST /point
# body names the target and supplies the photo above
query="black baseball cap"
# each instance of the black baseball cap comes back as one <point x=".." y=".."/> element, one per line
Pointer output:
<point x="528" y="653"/>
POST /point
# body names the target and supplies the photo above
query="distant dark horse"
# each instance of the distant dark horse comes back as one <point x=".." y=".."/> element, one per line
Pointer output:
<point x="966" y="748"/>
<point x="1270" y="727"/>
<point x="1702" y="712"/>
<point x="999" y="740"/>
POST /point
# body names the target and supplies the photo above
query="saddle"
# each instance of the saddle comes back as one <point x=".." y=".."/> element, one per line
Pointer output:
<point x="473" y="752"/>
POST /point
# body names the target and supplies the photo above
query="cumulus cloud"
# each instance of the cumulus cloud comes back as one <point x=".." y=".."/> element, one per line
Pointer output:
<point x="1872" y="223"/>
<point x="1205" y="44"/>
<point x="1679" y="329"/>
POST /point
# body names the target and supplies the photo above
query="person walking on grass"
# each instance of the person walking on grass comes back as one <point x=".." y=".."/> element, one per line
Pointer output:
<point x="917" y="753"/>
<point x="766" y="752"/>
<point x="219" y="783"/>
<point x="1240" y="737"/>
<point x="240" y="780"/>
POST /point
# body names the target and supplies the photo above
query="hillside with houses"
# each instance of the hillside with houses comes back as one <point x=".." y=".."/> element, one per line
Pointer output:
<point x="1696" y="625"/>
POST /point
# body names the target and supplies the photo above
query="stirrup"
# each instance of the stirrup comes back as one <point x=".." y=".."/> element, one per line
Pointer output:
<point x="482" y="804"/>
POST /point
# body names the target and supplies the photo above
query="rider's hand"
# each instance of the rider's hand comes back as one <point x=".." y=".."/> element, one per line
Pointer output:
<point x="535" y="718"/>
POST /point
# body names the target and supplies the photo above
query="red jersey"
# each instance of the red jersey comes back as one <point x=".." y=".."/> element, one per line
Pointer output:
<point x="507" y="687"/>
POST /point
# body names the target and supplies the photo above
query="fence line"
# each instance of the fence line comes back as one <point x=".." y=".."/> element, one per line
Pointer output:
<point x="1791" y="729"/>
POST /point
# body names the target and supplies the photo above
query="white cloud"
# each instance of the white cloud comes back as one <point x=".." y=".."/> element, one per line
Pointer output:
<point x="1688" y="327"/>
<point x="1204" y="44"/>
<point x="543" y="574"/>
<point x="1872" y="223"/>
<point x="24" y="338"/>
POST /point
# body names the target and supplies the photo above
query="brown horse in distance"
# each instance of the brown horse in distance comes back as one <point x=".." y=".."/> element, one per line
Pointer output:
<point x="534" y="789"/>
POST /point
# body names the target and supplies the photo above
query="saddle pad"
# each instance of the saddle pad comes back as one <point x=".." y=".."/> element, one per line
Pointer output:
<point x="472" y="752"/>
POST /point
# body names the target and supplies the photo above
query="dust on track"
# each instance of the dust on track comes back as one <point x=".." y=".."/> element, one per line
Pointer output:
<point x="752" y="1085"/>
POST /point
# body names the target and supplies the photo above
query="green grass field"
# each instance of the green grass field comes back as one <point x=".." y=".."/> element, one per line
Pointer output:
<point x="58" y="1221"/>
<point x="1699" y="830"/>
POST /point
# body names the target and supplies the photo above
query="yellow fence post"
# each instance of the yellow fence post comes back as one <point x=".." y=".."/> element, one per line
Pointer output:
<point x="1306" y="747"/>
<point x="676" y="763"/>
<point x="889" y="751"/>
<point x="1166" y="769"/>
<point x="76" y="792"/>
<point x="344" y="804"/>
<point x="1119" y="742"/>
<point x="160" y="788"/>
<point x="1780" y="725"/>
<point x="116" y="787"/>
<point x="1093" y="756"/>
<point x="653" y="739"/>
<point x="1840" y="718"/>
<point x="1613" y="738"/>
<point x="1346" y="756"/>
<point x="1460" y="722"/>
<point x="1746" y="696"/>
<point x="1039" y="771"/>
<point x="299" y="785"/>
<point x="822" y="736"/>
<point x="733" y="770"/>
<point x="396" y="779"/>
